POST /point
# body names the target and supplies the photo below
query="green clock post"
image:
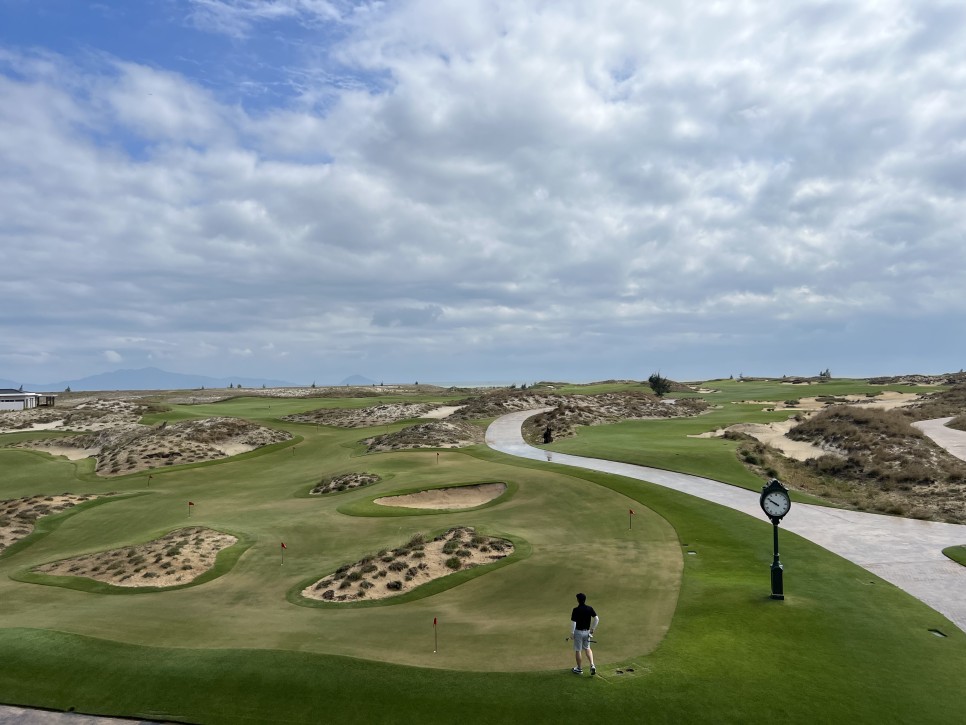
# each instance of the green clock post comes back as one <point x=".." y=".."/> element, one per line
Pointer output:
<point x="775" y="503"/>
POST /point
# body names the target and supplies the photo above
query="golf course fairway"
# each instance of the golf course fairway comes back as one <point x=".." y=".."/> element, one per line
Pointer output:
<point x="687" y="634"/>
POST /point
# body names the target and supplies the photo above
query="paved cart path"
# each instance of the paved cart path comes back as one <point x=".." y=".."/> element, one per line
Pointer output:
<point x="905" y="552"/>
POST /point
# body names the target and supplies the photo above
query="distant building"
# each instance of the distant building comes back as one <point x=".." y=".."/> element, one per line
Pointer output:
<point x="11" y="399"/>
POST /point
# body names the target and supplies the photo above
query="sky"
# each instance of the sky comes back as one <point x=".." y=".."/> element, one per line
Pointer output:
<point x="458" y="190"/>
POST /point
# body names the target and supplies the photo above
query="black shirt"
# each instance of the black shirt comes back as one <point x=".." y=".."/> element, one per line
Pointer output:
<point x="582" y="615"/>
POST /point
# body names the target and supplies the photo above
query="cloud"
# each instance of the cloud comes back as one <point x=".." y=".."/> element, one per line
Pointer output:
<point x="113" y="357"/>
<point x="407" y="316"/>
<point x="493" y="185"/>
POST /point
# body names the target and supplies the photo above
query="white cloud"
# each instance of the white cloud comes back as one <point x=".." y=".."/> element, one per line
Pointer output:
<point x="112" y="356"/>
<point x="517" y="180"/>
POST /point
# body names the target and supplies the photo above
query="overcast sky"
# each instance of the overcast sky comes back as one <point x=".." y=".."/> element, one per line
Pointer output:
<point x="458" y="190"/>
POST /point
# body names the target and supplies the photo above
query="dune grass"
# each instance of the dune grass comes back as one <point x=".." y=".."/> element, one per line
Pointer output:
<point x="699" y="631"/>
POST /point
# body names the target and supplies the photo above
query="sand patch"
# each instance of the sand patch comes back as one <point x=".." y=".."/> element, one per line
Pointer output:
<point x="391" y="573"/>
<point x="18" y="515"/>
<point x="444" y="411"/>
<point x="776" y="436"/>
<point x="176" y="558"/>
<point x="71" y="454"/>
<point x="458" y="497"/>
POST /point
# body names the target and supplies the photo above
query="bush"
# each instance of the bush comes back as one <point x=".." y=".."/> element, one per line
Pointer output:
<point x="395" y="585"/>
<point x="454" y="562"/>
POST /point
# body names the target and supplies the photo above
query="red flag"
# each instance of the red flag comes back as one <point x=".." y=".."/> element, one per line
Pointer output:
<point x="632" y="511"/>
<point x="191" y="503"/>
<point x="284" y="546"/>
<point x="434" y="621"/>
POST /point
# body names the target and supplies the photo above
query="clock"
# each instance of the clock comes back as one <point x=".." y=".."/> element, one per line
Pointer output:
<point x="774" y="500"/>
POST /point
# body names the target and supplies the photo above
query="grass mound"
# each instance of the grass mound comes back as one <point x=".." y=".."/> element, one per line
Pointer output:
<point x="438" y="434"/>
<point x="345" y="482"/>
<point x="18" y="516"/>
<point x="362" y="417"/>
<point x="177" y="558"/>
<point x="403" y="569"/>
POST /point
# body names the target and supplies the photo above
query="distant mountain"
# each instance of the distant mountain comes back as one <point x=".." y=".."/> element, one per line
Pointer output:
<point x="145" y="379"/>
<point x="357" y="380"/>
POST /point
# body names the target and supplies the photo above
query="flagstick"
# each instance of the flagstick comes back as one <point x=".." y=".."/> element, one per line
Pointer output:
<point x="630" y="520"/>
<point x="435" y="636"/>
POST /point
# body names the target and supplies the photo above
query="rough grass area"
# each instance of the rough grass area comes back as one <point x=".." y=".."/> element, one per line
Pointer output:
<point x="18" y="516"/>
<point x="438" y="434"/>
<point x="178" y="557"/>
<point x="363" y="417"/>
<point x="344" y="482"/>
<point x="422" y="559"/>
<point x="942" y="404"/>
<point x="895" y="468"/>
<point x="128" y="448"/>
<point x="586" y="410"/>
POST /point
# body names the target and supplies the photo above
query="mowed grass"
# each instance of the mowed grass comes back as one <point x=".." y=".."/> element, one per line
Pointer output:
<point x="702" y="636"/>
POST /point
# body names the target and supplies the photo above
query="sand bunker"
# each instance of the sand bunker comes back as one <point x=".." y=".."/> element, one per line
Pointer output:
<point x="176" y="558"/>
<point x="391" y="573"/>
<point x="18" y="515"/>
<point x="444" y="411"/>
<point x="458" y="497"/>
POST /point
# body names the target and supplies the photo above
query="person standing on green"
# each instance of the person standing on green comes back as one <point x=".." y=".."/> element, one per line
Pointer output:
<point x="583" y="622"/>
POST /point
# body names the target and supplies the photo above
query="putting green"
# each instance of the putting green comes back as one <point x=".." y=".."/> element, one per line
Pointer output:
<point x="512" y="618"/>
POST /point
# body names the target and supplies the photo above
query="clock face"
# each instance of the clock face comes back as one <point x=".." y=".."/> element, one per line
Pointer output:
<point x="776" y="504"/>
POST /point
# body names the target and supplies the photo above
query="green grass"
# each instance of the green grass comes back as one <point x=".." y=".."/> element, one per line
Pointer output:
<point x="699" y="630"/>
<point x="956" y="553"/>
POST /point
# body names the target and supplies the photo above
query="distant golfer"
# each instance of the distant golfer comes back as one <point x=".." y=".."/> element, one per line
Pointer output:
<point x="583" y="622"/>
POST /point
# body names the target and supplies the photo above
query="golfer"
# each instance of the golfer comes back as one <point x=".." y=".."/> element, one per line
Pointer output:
<point x="583" y="622"/>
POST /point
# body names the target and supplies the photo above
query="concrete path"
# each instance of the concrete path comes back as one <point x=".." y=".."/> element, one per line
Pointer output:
<point x="951" y="439"/>
<point x="13" y="715"/>
<point x="905" y="552"/>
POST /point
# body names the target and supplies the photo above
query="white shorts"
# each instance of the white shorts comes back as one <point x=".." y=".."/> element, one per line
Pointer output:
<point x="581" y="639"/>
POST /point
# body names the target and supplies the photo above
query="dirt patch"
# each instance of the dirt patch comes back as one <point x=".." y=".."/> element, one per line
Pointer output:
<point x="176" y="558"/>
<point x="458" y="497"/>
<point x="345" y="482"/>
<point x="391" y="573"/>
<point x="437" y="434"/>
<point x="18" y="515"/>
<point x="129" y="448"/>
